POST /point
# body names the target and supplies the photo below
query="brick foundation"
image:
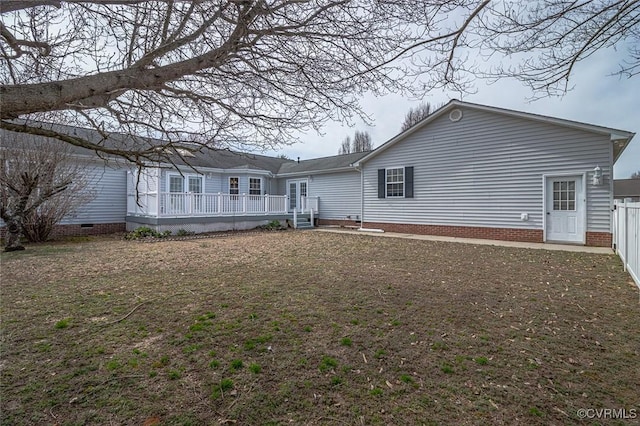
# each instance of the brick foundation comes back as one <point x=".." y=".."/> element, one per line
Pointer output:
<point x="79" y="230"/>
<point x="599" y="239"/>
<point x="595" y="239"/>
<point x="505" y="234"/>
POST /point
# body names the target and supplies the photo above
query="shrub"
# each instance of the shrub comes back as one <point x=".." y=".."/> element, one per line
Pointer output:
<point x="145" y="232"/>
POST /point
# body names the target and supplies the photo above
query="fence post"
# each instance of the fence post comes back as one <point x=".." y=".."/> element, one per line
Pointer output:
<point x="626" y="234"/>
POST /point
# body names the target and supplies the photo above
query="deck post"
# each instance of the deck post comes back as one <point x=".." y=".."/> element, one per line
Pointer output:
<point x="295" y="218"/>
<point x="219" y="202"/>
<point x="311" y="216"/>
<point x="266" y="203"/>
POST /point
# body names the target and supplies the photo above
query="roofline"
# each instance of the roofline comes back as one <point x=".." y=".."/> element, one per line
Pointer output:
<point x="317" y="171"/>
<point x="213" y="169"/>
<point x="614" y="134"/>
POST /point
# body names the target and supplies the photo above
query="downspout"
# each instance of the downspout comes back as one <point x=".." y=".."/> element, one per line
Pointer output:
<point x="361" y="197"/>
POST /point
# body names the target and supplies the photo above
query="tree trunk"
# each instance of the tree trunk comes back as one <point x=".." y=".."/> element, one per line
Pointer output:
<point x="12" y="235"/>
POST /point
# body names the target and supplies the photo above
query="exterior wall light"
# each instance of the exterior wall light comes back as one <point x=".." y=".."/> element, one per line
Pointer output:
<point x="597" y="176"/>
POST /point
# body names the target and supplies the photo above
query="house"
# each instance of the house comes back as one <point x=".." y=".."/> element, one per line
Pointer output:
<point x="477" y="171"/>
<point x="223" y="190"/>
<point x="205" y="191"/>
<point x="105" y="213"/>
<point x="626" y="189"/>
<point x="467" y="170"/>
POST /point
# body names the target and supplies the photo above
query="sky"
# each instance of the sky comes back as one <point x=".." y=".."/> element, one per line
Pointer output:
<point x="597" y="98"/>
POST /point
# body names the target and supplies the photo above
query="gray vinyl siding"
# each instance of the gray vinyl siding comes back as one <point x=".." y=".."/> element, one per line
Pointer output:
<point x="281" y="186"/>
<point x="487" y="169"/>
<point x="339" y="194"/>
<point x="109" y="205"/>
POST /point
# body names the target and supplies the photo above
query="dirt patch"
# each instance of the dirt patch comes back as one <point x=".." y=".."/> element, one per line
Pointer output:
<point x="314" y="328"/>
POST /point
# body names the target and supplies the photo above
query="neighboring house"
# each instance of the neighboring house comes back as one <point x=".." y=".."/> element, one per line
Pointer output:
<point x="467" y="170"/>
<point x="626" y="189"/>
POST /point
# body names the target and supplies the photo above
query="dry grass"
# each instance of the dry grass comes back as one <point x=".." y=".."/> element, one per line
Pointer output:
<point x="313" y="328"/>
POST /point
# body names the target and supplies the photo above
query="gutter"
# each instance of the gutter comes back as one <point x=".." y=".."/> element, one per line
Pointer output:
<point x="318" y="172"/>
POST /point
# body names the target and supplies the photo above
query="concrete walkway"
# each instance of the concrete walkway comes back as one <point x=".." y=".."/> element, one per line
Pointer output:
<point x="539" y="246"/>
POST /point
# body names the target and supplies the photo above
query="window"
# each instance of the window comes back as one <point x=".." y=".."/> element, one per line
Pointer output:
<point x="195" y="184"/>
<point x="234" y="186"/>
<point x="395" y="182"/>
<point x="176" y="183"/>
<point x="564" y="195"/>
<point x="255" y="186"/>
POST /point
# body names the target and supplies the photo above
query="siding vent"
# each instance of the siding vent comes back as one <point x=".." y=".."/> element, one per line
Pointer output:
<point x="455" y="115"/>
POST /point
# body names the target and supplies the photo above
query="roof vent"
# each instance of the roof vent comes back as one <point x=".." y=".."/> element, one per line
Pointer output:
<point x="455" y="115"/>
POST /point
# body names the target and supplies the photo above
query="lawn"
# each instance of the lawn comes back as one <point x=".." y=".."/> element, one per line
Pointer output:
<point x="314" y="328"/>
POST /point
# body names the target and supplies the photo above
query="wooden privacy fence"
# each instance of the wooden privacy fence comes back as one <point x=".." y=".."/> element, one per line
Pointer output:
<point x="626" y="236"/>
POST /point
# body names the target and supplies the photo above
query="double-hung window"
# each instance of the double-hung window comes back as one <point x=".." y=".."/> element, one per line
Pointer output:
<point x="176" y="183"/>
<point x="395" y="182"/>
<point x="255" y="186"/>
<point x="234" y="185"/>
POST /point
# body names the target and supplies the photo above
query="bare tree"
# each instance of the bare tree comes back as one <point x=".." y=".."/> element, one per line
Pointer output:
<point x="345" y="147"/>
<point x="246" y="74"/>
<point x="635" y="175"/>
<point x="362" y="142"/>
<point x="40" y="184"/>
<point x="416" y="115"/>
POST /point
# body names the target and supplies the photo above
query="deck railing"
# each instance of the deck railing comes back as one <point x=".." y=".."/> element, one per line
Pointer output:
<point x="192" y="204"/>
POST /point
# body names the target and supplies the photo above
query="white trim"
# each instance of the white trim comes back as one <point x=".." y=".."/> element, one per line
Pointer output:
<point x="584" y="201"/>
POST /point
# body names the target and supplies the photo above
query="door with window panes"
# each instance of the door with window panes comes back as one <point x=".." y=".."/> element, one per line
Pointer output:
<point x="297" y="191"/>
<point x="185" y="194"/>
<point x="176" y="204"/>
<point x="194" y="188"/>
<point x="565" y="209"/>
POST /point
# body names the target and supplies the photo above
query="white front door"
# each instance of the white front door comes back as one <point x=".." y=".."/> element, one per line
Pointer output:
<point x="296" y="190"/>
<point x="565" y="206"/>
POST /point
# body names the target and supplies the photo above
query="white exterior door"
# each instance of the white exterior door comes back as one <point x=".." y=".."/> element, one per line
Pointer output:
<point x="565" y="209"/>
<point x="296" y="190"/>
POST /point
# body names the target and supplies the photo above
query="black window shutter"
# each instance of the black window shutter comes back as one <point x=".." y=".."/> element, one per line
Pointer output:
<point x="381" y="183"/>
<point x="408" y="182"/>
